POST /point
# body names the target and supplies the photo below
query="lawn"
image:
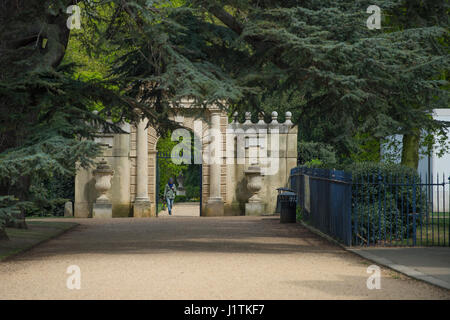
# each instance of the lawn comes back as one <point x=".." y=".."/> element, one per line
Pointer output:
<point x="432" y="232"/>
<point x="38" y="231"/>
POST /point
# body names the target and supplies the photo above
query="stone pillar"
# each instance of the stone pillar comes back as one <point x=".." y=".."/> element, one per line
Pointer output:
<point x="142" y="205"/>
<point x="121" y="182"/>
<point x="215" y="205"/>
<point x="291" y="144"/>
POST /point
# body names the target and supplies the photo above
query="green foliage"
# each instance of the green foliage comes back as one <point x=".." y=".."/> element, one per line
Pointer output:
<point x="8" y="205"/>
<point x="314" y="163"/>
<point x="369" y="149"/>
<point x="192" y="181"/>
<point x="170" y="53"/>
<point x="167" y="168"/>
<point x="193" y="191"/>
<point x="315" y="58"/>
<point x="382" y="200"/>
<point x="374" y="221"/>
<point x="340" y="79"/>
<point x="49" y="195"/>
<point x="384" y="170"/>
<point x="46" y="118"/>
<point x="42" y="141"/>
<point x="316" y="154"/>
<point x="180" y="199"/>
<point x="299" y="213"/>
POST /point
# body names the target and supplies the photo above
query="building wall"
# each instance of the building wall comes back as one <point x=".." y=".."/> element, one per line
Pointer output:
<point x="429" y="168"/>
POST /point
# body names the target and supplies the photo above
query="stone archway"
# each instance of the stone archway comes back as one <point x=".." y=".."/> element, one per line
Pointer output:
<point x="143" y="146"/>
<point x="189" y="181"/>
<point x="224" y="186"/>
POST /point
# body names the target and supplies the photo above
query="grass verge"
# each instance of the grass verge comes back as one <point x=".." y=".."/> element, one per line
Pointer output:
<point x="21" y="240"/>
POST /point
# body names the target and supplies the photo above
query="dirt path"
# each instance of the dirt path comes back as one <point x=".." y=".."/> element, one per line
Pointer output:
<point x="198" y="258"/>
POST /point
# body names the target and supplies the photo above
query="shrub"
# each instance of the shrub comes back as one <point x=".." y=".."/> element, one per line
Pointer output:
<point x="180" y="199"/>
<point x="7" y="206"/>
<point x="383" y="198"/>
<point x="299" y="213"/>
<point x="316" y="154"/>
<point x="192" y="192"/>
<point x="374" y="224"/>
<point x="314" y="163"/>
<point x="50" y="194"/>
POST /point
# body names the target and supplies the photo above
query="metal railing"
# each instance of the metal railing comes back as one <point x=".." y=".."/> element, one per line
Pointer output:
<point x="397" y="210"/>
<point x="390" y="210"/>
<point x="324" y="197"/>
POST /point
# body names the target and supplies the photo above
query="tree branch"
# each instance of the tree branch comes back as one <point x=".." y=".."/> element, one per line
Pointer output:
<point x="258" y="43"/>
<point x="226" y="18"/>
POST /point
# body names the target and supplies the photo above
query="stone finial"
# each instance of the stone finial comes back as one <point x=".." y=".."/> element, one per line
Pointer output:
<point x="261" y="118"/>
<point x="248" y="118"/>
<point x="288" y="119"/>
<point x="274" y="117"/>
<point x="235" y="118"/>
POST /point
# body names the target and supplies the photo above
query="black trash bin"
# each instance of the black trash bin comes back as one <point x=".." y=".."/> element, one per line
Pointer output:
<point x="288" y="207"/>
<point x="280" y="191"/>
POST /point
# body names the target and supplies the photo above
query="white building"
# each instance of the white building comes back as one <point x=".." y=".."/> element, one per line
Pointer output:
<point x="431" y="168"/>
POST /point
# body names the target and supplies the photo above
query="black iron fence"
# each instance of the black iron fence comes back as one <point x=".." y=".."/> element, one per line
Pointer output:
<point x="369" y="210"/>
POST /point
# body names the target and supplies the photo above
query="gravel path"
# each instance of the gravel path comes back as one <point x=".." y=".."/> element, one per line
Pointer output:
<point x="198" y="258"/>
<point x="183" y="209"/>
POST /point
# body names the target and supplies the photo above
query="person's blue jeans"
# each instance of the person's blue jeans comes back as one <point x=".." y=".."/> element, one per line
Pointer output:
<point x="169" y="205"/>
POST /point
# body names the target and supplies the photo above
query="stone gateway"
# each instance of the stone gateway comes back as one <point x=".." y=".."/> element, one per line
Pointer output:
<point x="250" y="160"/>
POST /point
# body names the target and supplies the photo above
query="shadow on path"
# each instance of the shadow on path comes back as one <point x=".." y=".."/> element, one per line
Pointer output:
<point x="215" y="235"/>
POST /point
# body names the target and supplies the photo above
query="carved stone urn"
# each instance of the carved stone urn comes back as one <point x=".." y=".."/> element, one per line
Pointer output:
<point x="103" y="175"/>
<point x="254" y="182"/>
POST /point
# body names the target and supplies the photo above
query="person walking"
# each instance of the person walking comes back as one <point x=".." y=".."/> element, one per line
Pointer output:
<point x="170" y="191"/>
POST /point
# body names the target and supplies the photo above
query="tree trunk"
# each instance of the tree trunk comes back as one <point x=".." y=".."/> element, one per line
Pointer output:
<point x="17" y="220"/>
<point x="410" y="149"/>
<point x="3" y="235"/>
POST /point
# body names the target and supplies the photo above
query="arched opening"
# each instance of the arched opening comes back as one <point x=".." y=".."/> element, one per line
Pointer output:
<point x="176" y="160"/>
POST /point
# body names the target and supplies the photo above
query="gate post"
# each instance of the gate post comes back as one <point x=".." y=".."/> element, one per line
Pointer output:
<point x="215" y="205"/>
<point x="142" y="204"/>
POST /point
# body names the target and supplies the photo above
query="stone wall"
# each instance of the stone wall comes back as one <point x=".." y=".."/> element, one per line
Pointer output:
<point x="121" y="153"/>
<point x="238" y="194"/>
<point x="116" y="153"/>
